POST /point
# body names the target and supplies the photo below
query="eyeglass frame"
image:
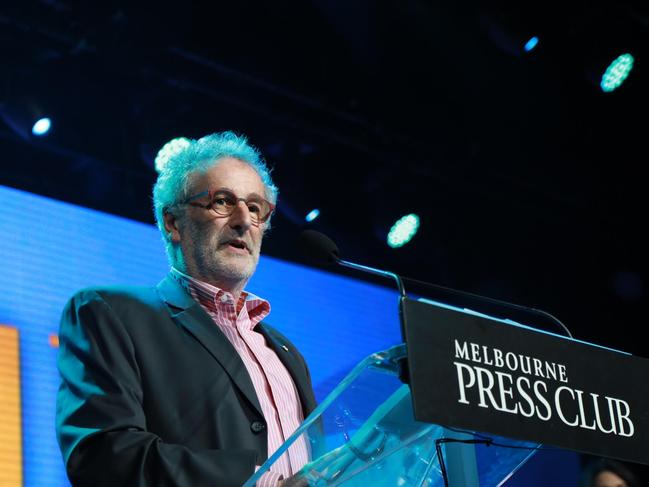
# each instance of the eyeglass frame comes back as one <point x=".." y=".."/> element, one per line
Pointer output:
<point x="211" y="193"/>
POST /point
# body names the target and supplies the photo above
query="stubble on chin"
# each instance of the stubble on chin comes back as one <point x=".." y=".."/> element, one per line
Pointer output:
<point x="229" y="266"/>
<point x="216" y="263"/>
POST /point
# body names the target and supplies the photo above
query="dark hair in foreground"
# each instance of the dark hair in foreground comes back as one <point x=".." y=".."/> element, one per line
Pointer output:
<point x="598" y="465"/>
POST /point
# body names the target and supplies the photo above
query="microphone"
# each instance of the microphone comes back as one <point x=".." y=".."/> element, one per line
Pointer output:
<point x="321" y="248"/>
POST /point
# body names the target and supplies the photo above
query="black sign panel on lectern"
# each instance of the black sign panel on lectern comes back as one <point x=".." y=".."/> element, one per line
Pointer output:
<point x="481" y="374"/>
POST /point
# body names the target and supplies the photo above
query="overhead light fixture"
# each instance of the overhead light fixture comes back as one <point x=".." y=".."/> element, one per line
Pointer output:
<point x="41" y="127"/>
<point x="617" y="72"/>
<point x="25" y="118"/>
<point x="403" y="230"/>
<point x="531" y="43"/>
<point x="312" y="215"/>
<point x="514" y="31"/>
<point x="610" y="44"/>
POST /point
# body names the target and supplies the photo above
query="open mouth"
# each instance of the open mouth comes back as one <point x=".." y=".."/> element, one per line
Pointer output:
<point x="237" y="244"/>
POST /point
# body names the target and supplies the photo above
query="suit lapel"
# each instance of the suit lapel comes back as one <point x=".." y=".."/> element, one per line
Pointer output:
<point x="188" y="313"/>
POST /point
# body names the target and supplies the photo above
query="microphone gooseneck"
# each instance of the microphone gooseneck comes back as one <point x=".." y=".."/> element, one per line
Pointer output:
<point x="321" y="248"/>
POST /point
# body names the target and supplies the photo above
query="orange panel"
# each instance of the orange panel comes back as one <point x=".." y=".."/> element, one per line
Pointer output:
<point x="11" y="474"/>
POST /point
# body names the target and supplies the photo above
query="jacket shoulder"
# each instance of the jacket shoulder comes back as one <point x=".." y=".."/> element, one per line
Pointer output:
<point x="116" y="294"/>
<point x="120" y="299"/>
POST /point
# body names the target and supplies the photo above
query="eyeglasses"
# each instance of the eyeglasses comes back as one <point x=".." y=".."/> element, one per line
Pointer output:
<point x="223" y="202"/>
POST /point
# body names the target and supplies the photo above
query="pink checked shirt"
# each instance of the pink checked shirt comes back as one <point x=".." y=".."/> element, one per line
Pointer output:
<point x="273" y="384"/>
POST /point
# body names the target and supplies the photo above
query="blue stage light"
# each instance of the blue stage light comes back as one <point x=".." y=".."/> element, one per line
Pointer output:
<point x="403" y="230"/>
<point x="41" y="127"/>
<point x="617" y="72"/>
<point x="313" y="214"/>
<point x="531" y="44"/>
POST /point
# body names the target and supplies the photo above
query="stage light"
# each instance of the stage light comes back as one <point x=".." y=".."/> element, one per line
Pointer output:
<point x="403" y="230"/>
<point x="312" y="215"/>
<point x="512" y="31"/>
<point x="616" y="73"/>
<point x="41" y="127"/>
<point x="531" y="43"/>
<point x="174" y="146"/>
<point x="26" y="118"/>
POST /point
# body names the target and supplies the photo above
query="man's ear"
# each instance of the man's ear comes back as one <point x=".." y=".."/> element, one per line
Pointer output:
<point x="171" y="226"/>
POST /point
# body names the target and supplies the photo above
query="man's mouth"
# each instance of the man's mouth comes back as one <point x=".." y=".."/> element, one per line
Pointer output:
<point x="237" y="244"/>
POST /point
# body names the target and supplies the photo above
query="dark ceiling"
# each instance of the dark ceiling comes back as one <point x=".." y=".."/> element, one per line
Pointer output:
<point x="527" y="177"/>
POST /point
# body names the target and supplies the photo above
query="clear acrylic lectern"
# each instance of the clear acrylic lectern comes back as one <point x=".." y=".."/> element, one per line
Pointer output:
<point x="364" y="434"/>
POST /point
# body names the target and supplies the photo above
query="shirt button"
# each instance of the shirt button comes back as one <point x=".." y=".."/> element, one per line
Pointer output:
<point x="257" y="426"/>
<point x="224" y="298"/>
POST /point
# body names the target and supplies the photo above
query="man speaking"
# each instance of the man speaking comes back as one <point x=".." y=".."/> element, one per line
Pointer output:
<point x="181" y="384"/>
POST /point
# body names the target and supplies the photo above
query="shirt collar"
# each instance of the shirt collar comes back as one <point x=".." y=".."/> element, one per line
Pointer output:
<point x="213" y="297"/>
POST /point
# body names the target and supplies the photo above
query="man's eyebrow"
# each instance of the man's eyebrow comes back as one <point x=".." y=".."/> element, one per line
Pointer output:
<point x="230" y="190"/>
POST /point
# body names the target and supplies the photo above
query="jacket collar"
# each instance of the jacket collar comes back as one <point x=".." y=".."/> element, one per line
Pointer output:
<point x="174" y="294"/>
<point x="189" y="314"/>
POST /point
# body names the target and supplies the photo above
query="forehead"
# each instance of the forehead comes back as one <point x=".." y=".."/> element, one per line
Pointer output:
<point x="229" y="173"/>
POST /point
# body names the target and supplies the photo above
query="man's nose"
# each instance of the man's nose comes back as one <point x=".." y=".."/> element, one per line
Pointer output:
<point x="241" y="219"/>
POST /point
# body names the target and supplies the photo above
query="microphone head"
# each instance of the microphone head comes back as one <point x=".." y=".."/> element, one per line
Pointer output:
<point x="319" y="247"/>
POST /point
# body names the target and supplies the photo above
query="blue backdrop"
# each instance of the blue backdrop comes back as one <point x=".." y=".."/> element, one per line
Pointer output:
<point x="51" y="249"/>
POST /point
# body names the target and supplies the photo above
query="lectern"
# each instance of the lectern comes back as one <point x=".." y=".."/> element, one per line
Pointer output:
<point x="466" y="400"/>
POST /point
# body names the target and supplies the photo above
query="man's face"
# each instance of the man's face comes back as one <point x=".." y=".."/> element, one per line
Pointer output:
<point x="222" y="250"/>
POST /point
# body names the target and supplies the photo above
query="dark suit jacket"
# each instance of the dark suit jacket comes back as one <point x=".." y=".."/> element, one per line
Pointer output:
<point x="152" y="392"/>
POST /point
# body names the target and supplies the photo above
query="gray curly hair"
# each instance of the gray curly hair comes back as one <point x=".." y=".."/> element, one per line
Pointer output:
<point x="198" y="156"/>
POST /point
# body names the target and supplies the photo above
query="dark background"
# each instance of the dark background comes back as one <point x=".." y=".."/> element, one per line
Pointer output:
<point x="528" y="179"/>
<point x="526" y="176"/>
